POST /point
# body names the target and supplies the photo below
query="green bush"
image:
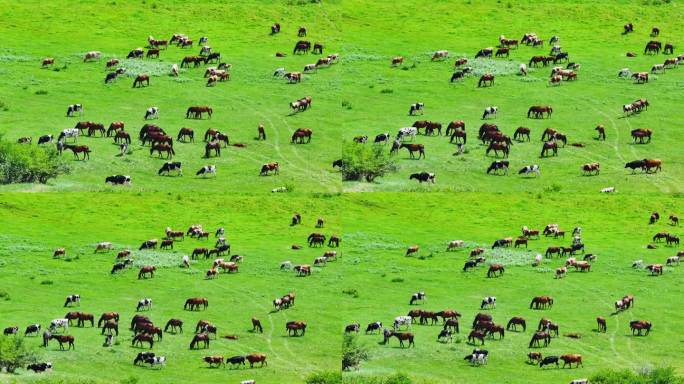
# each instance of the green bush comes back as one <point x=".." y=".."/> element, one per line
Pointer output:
<point x="645" y="376"/>
<point x="365" y="162"/>
<point x="325" y="378"/>
<point x="21" y="163"/>
<point x="352" y="353"/>
<point x="14" y="353"/>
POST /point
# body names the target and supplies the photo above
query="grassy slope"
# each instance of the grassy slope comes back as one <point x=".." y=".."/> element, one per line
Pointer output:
<point x="239" y="31"/>
<point x="257" y="229"/>
<point x="366" y="36"/>
<point x="614" y="228"/>
<point x="590" y="31"/>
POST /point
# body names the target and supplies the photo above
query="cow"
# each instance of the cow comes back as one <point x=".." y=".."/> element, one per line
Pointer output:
<point x="171" y="166"/>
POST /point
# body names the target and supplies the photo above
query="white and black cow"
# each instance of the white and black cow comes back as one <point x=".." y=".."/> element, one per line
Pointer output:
<point x="406" y="132"/>
<point x="498" y="165"/>
<point x="72" y="299"/>
<point x="59" y="323"/>
<point x="580" y="381"/>
<point x="372" y="327"/>
<point x="118" y="179"/>
<point x="45" y="139"/>
<point x="152" y="113"/>
<point x="488" y="302"/>
<point x="171" y="166"/>
<point x="416" y="107"/>
<point x="490" y="111"/>
<point x="39" y="367"/>
<point x="423" y="177"/>
<point x="418" y="296"/>
<point x="73" y="109"/>
<point x="476" y="358"/>
<point x="68" y="133"/>
<point x="382" y="138"/>
<point x="145" y="303"/>
<point x="400" y="321"/>
<point x="207" y="170"/>
<point x="279" y="72"/>
<point x="530" y="169"/>
<point x="32" y="329"/>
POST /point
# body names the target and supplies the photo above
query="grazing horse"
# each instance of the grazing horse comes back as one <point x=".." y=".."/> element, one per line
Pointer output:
<point x="494" y="268"/>
<point x="401" y="336"/>
<point x="295" y="328"/>
<point x="62" y="339"/>
<point x="641" y="134"/>
<point x="140" y="79"/>
<point x="639" y="326"/>
<point x="186" y="133"/>
<point x="591" y="168"/>
<point x="196" y="303"/>
<point x="162" y="148"/>
<point x="476" y="335"/>
<point x="270" y="167"/>
<point x="520" y="133"/>
<point x="200" y="338"/>
<point x="654" y="164"/>
<point x="197" y="112"/>
<point x="110" y="326"/>
<point x="173" y="324"/>
<point x="539" y="110"/>
<point x="549" y="146"/>
<point x="541" y="302"/>
<point x="143" y="338"/>
<point x="486" y="80"/>
<point x="540" y="336"/>
<point x="496" y="147"/>
<point x="514" y="322"/>
<point x="300" y="134"/>
<point x="601" y="323"/>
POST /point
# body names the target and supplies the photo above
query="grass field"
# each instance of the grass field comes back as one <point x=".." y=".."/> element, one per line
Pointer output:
<point x="372" y="265"/>
<point x="362" y="94"/>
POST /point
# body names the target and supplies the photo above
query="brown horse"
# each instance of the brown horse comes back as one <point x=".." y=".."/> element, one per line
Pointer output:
<point x="122" y="137"/>
<point x="521" y="133"/>
<point x="173" y="324"/>
<point x="639" y="326"/>
<point x="403" y="336"/>
<point x="147" y="270"/>
<point x="494" y="268"/>
<point x="83" y="317"/>
<point x="115" y="127"/>
<point x="641" y="134"/>
<point x="520" y="241"/>
<point x="456" y="125"/>
<point x="76" y="149"/>
<point x="540" y="336"/>
<point x="294" y="328"/>
<point x="300" y="134"/>
<point x="143" y="338"/>
<point x="550" y="251"/>
<point x="186" y="133"/>
<point x="591" y="168"/>
<point x="200" y="338"/>
<point x="412" y="249"/>
<point x="601" y="130"/>
<point x="110" y="326"/>
<point x="397" y="60"/>
<point x="514" y="322"/>
<point x="420" y="148"/>
<point x="539" y="110"/>
<point x="270" y="167"/>
<point x="656" y="269"/>
<point x="473" y="335"/>
<point x="108" y="316"/>
<point x="256" y="358"/>
<point x="549" y="146"/>
<point x="62" y="339"/>
<point x="256" y="326"/>
<point x="212" y="146"/>
<point x="601" y="323"/>
<point x="162" y="148"/>
<point x="487" y="80"/>
<point x="569" y="359"/>
<point x="140" y="79"/>
<point x="496" y="147"/>
<point x="541" y="302"/>
<point x="196" y="112"/>
<point x="196" y="303"/>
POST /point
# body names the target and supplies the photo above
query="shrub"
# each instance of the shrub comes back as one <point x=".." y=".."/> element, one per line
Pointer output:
<point x="367" y="162"/>
<point x="352" y="353"/>
<point x="645" y="376"/>
<point x="20" y="163"/>
<point x="351" y="292"/>
<point x="325" y="378"/>
<point x="14" y="353"/>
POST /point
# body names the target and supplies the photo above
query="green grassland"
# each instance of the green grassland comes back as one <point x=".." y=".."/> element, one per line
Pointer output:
<point x="362" y="94"/>
<point x="377" y="229"/>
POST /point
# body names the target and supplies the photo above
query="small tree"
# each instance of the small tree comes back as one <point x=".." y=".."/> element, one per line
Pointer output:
<point x="21" y="163"/>
<point x="352" y="353"/>
<point x="14" y="353"/>
<point x="365" y="162"/>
